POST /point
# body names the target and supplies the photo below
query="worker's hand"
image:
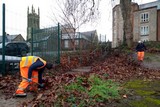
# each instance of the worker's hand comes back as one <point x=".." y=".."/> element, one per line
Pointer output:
<point x="29" y="80"/>
<point x="41" y="86"/>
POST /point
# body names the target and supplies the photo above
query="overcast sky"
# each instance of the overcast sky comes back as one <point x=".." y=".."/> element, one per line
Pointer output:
<point x="16" y="16"/>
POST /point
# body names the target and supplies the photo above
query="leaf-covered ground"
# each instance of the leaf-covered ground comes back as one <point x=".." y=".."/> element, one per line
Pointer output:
<point x="120" y="67"/>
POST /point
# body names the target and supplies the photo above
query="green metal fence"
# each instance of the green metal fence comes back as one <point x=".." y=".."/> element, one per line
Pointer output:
<point x="45" y="43"/>
<point x="3" y="38"/>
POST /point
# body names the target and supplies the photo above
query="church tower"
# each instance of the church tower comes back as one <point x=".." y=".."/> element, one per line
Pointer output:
<point x="33" y="22"/>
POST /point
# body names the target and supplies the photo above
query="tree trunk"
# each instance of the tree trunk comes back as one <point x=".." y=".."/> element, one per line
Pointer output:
<point x="127" y="25"/>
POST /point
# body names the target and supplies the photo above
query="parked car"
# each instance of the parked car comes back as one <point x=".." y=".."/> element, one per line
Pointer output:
<point x="15" y="48"/>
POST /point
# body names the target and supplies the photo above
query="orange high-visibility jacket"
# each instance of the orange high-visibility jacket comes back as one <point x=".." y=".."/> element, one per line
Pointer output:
<point x="26" y="62"/>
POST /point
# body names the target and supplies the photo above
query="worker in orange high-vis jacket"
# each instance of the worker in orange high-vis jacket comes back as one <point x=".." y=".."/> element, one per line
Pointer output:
<point x="31" y="69"/>
<point x="140" y="48"/>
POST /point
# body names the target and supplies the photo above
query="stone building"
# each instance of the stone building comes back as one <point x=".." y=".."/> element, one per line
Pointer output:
<point x="33" y="21"/>
<point x="145" y="23"/>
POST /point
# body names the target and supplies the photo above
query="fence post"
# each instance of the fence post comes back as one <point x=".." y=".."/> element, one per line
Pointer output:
<point x="80" y="47"/>
<point x="3" y="43"/>
<point x="59" y="35"/>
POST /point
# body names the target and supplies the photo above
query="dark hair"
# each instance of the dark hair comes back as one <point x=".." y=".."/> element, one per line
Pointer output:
<point x="49" y="65"/>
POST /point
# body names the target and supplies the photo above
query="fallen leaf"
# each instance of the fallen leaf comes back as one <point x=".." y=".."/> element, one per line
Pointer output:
<point x="39" y="96"/>
<point x="124" y="96"/>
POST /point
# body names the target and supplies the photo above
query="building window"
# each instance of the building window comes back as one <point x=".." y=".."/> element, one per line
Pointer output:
<point x="66" y="45"/>
<point x="76" y="42"/>
<point x="144" y="30"/>
<point x="144" y="17"/>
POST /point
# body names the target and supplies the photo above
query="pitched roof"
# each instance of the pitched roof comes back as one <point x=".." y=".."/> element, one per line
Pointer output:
<point x="89" y="33"/>
<point x="9" y="37"/>
<point x="149" y="5"/>
<point x="1" y="39"/>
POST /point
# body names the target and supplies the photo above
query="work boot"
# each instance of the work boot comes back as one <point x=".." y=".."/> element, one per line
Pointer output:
<point x="20" y="93"/>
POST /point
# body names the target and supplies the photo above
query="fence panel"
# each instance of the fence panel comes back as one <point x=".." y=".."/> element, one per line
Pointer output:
<point x="45" y="43"/>
<point x="12" y="29"/>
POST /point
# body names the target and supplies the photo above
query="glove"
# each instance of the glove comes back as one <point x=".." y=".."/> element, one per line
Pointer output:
<point x="41" y="86"/>
<point x="29" y="80"/>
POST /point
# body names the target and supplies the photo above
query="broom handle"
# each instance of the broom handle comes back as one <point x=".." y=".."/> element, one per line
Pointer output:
<point x="32" y="81"/>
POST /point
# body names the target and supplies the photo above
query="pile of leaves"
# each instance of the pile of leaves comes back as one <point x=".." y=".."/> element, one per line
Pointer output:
<point x="75" y="90"/>
<point x="8" y="85"/>
<point x="122" y="67"/>
<point x="72" y="89"/>
<point x="74" y="60"/>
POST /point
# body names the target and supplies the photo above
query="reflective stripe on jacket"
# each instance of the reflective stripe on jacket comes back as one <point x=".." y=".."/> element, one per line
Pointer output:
<point x="26" y="62"/>
<point x="29" y="60"/>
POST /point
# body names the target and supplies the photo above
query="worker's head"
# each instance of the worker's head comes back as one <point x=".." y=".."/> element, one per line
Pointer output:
<point x="49" y="65"/>
<point x="139" y="41"/>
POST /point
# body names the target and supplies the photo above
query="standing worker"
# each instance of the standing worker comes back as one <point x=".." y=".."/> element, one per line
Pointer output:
<point x="140" y="48"/>
<point x="31" y="69"/>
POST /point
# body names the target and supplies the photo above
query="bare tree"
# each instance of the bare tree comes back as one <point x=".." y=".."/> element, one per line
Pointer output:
<point x="75" y="13"/>
<point x="127" y="25"/>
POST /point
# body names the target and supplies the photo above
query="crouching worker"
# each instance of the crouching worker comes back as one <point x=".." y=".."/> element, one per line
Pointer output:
<point x="31" y="69"/>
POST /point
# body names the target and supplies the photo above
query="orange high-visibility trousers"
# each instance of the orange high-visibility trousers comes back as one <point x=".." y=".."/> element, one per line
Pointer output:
<point x="140" y="56"/>
<point x="25" y="63"/>
<point x="24" y="83"/>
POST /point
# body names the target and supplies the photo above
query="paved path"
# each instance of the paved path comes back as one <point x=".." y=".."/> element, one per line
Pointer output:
<point x="151" y="61"/>
<point x="15" y="101"/>
<point x="82" y="69"/>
